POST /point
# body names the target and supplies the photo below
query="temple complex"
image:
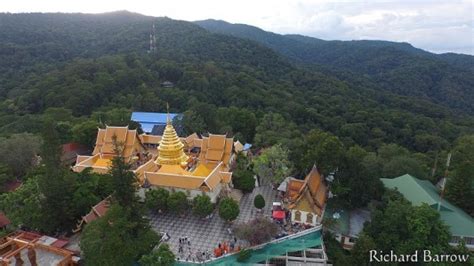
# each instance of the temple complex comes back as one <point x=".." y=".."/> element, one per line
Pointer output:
<point x="193" y="164"/>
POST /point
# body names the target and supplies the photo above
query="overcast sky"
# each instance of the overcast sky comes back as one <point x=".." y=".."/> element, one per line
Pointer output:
<point x="434" y="25"/>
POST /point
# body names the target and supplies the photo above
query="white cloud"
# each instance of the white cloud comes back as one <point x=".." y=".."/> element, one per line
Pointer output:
<point x="434" y="25"/>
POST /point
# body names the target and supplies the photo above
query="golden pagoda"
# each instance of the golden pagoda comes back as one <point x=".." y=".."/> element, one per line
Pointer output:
<point x="171" y="148"/>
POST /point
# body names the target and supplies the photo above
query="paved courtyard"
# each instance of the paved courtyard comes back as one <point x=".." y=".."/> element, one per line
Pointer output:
<point x="206" y="234"/>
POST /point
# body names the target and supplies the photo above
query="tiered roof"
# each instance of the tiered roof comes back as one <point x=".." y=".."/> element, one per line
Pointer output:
<point x="170" y="150"/>
<point x="105" y="144"/>
<point x="309" y="194"/>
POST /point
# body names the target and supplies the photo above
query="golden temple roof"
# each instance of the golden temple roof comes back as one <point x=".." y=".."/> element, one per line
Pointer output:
<point x="171" y="148"/>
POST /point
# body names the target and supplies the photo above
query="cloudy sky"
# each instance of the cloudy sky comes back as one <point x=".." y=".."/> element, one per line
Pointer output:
<point x="434" y="25"/>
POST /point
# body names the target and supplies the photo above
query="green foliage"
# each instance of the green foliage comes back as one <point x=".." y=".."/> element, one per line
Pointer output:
<point x="460" y="187"/>
<point x="161" y="257"/>
<point x="397" y="225"/>
<point x="355" y="186"/>
<point x="228" y="209"/>
<point x="389" y="66"/>
<point x="360" y="252"/>
<point x="202" y="205"/>
<point x="5" y="177"/>
<point x="242" y="176"/>
<point x="273" y="129"/>
<point x="259" y="202"/>
<point x="324" y="150"/>
<point x="273" y="165"/>
<point x="23" y="206"/>
<point x="244" y="255"/>
<point x="123" y="180"/>
<point x="460" y="184"/>
<point x="19" y="151"/>
<point x="115" y="239"/>
<point x="157" y="199"/>
<point x="178" y="202"/>
<point x="336" y="254"/>
<point x="56" y="185"/>
<point x="392" y="161"/>
<point x="85" y="133"/>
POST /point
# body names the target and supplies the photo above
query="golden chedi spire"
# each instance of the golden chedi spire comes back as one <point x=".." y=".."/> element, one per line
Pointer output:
<point x="170" y="150"/>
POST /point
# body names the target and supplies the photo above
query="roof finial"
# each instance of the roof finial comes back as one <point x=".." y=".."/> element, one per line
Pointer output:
<point x="168" y="120"/>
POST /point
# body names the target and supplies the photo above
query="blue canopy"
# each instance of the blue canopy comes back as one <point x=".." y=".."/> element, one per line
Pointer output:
<point x="148" y="120"/>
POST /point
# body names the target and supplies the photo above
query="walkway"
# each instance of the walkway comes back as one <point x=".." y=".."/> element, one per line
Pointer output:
<point x="205" y="234"/>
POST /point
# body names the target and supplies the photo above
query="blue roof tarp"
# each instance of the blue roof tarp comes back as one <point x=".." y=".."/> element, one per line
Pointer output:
<point x="148" y="120"/>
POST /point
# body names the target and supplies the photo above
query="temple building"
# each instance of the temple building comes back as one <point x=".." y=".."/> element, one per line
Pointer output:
<point x="307" y="198"/>
<point x="195" y="165"/>
<point x="205" y="171"/>
<point x="133" y="150"/>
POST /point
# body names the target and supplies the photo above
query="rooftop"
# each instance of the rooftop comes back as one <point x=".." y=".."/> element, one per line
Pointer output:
<point x="148" y="119"/>
<point x="422" y="191"/>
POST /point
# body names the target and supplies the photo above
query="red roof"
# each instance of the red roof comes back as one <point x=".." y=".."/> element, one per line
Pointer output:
<point x="4" y="221"/>
<point x="99" y="210"/>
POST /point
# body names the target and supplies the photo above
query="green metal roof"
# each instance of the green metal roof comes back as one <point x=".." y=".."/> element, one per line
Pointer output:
<point x="422" y="191"/>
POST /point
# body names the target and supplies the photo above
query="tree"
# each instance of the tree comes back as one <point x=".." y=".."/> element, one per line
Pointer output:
<point x="256" y="231"/>
<point x="56" y="184"/>
<point x="5" y="177"/>
<point x="19" y="151"/>
<point x="273" y="128"/>
<point x="178" y="202"/>
<point x="123" y="180"/>
<point x="355" y="186"/>
<point x="244" y="180"/>
<point x="460" y="187"/>
<point x="162" y="257"/>
<point x="259" y="201"/>
<point x="202" y="205"/>
<point x="193" y="122"/>
<point x="23" y="206"/>
<point x="85" y="133"/>
<point x="360" y="252"/>
<point x="460" y="184"/>
<point x="273" y="164"/>
<point x="323" y="149"/>
<point x="397" y="225"/>
<point x="228" y="209"/>
<point x="242" y="176"/>
<point x="157" y="199"/>
<point x="115" y="240"/>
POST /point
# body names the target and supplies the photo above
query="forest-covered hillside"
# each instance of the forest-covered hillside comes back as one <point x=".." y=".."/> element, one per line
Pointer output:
<point x="82" y="66"/>
<point x="446" y="79"/>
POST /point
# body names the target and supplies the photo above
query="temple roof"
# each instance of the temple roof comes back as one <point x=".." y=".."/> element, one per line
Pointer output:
<point x="309" y="194"/>
<point x="104" y="143"/>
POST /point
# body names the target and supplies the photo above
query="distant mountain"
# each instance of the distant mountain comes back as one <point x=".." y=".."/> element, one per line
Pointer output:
<point x="447" y="79"/>
<point x="84" y="63"/>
